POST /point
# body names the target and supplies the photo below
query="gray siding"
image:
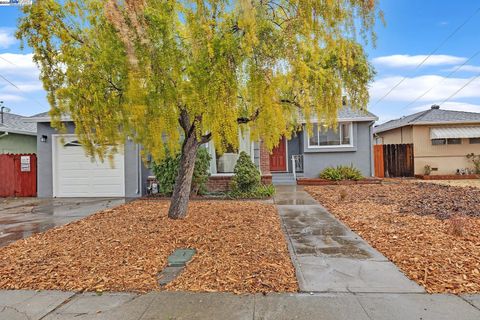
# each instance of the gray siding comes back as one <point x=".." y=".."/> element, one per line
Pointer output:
<point x="360" y="155"/>
<point x="134" y="168"/>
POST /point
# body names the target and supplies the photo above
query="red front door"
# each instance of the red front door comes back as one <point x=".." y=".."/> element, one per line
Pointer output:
<point x="278" y="158"/>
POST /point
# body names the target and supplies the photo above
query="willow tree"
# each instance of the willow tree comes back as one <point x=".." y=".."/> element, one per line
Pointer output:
<point x="173" y="75"/>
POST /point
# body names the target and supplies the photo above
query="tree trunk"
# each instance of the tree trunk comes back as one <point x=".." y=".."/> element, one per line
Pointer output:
<point x="183" y="184"/>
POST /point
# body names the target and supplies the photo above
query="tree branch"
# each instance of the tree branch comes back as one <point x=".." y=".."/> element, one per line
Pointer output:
<point x="243" y="120"/>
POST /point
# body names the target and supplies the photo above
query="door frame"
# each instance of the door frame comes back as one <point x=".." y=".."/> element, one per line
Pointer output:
<point x="286" y="158"/>
<point x="55" y="193"/>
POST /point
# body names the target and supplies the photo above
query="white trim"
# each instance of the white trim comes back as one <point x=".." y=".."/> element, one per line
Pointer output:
<point x="351" y="145"/>
<point x="21" y="132"/>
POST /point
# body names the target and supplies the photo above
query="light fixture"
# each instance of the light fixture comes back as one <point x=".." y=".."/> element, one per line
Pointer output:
<point x="44" y="138"/>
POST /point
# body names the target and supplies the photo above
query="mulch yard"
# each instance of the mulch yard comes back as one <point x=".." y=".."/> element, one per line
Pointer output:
<point x="240" y="248"/>
<point x="431" y="232"/>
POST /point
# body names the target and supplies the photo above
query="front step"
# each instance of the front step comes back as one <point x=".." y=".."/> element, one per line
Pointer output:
<point x="284" y="179"/>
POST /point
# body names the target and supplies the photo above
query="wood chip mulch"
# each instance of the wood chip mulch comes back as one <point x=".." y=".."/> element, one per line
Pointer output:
<point x="240" y="248"/>
<point x="431" y="232"/>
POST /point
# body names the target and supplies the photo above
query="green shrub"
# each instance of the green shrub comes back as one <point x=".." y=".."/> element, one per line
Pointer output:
<point x="201" y="173"/>
<point x="246" y="183"/>
<point x="247" y="177"/>
<point x="341" y="173"/>
<point x="166" y="173"/>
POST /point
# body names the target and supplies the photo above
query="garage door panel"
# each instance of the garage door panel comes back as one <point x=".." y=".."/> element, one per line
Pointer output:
<point x="76" y="175"/>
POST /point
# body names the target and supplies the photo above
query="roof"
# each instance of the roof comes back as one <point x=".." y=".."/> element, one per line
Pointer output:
<point x="348" y="113"/>
<point x="15" y="123"/>
<point x="45" y="117"/>
<point x="434" y="115"/>
<point x="351" y="114"/>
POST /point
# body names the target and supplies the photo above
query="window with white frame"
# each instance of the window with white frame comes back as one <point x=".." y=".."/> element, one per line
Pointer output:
<point x="225" y="163"/>
<point x="331" y="137"/>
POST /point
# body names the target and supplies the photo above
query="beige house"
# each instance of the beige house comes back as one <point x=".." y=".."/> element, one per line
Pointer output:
<point x="441" y="138"/>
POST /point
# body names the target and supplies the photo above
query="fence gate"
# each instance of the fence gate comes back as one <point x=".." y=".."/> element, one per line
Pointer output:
<point x="18" y="175"/>
<point x="394" y="160"/>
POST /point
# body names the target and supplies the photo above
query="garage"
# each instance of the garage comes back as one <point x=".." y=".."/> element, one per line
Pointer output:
<point x="77" y="175"/>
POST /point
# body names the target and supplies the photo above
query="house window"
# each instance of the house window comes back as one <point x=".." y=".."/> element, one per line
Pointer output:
<point x="454" y="141"/>
<point x="437" y="142"/>
<point x="474" y="140"/>
<point x="224" y="164"/>
<point x="328" y="137"/>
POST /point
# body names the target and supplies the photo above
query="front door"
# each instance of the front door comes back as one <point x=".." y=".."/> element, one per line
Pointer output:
<point x="278" y="158"/>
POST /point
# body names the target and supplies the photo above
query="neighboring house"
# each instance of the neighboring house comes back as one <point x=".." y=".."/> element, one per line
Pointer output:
<point x="441" y="138"/>
<point x="17" y="135"/>
<point x="65" y="171"/>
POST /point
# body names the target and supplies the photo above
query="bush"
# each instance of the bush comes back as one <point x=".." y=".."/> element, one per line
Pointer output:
<point x="247" y="177"/>
<point x="246" y="183"/>
<point x="167" y="170"/>
<point x="341" y="173"/>
<point x="476" y="161"/>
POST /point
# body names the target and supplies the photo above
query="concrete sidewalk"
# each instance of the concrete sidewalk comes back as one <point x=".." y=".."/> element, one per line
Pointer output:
<point x="329" y="257"/>
<point x="50" y="305"/>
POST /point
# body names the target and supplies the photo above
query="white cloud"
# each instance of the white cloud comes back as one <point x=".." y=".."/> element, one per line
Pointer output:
<point x="451" y="105"/>
<point x="6" y="38"/>
<point x="465" y="68"/>
<point x="408" y="61"/>
<point x="411" y="88"/>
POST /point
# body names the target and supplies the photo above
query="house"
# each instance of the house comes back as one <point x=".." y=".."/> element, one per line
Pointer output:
<point x="441" y="138"/>
<point x="17" y="135"/>
<point x="65" y="170"/>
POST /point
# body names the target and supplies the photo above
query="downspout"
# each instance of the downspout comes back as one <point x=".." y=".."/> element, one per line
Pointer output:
<point x="139" y="170"/>
<point x="372" y="164"/>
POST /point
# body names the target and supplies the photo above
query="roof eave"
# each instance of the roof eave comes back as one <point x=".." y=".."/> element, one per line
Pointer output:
<point x="47" y="119"/>
<point x="26" y="133"/>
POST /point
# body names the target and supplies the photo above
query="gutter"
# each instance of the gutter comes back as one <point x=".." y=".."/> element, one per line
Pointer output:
<point x="4" y="135"/>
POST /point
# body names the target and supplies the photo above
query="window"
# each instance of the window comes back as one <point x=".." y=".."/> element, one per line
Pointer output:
<point x="474" y="140"/>
<point x="437" y="142"/>
<point x="223" y="164"/>
<point x="454" y="141"/>
<point x="328" y="137"/>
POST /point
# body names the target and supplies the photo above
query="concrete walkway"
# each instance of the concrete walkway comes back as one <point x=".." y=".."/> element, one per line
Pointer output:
<point x="328" y="256"/>
<point x="53" y="305"/>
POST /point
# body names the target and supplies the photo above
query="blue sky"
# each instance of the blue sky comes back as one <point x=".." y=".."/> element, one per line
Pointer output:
<point x="413" y="30"/>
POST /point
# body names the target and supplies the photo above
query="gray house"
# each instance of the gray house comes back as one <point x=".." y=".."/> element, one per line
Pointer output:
<point x="65" y="171"/>
<point x="307" y="155"/>
<point x="17" y="134"/>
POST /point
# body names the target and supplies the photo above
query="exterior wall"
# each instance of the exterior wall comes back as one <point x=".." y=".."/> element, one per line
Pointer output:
<point x="18" y="144"/>
<point x="360" y="155"/>
<point x="447" y="158"/>
<point x="134" y="184"/>
<point x="395" y="136"/>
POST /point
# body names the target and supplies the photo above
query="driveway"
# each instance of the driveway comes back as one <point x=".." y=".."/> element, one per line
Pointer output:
<point x="23" y="217"/>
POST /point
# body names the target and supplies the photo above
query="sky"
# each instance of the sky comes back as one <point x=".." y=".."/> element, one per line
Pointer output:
<point x="414" y="30"/>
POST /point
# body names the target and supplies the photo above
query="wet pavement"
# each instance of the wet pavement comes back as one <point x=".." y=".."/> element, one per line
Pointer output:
<point x="54" y="305"/>
<point x="328" y="256"/>
<point x="23" y="217"/>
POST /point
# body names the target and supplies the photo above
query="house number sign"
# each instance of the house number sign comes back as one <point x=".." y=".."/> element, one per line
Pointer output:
<point x="25" y="163"/>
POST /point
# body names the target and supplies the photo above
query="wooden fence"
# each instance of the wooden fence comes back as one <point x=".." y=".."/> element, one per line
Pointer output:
<point x="18" y="175"/>
<point x="394" y="160"/>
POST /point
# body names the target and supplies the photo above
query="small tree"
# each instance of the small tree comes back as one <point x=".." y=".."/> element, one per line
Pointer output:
<point x="475" y="160"/>
<point x="247" y="177"/>
<point x="183" y="73"/>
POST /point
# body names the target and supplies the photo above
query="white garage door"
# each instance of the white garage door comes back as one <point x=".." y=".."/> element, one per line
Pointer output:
<point x="76" y="175"/>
